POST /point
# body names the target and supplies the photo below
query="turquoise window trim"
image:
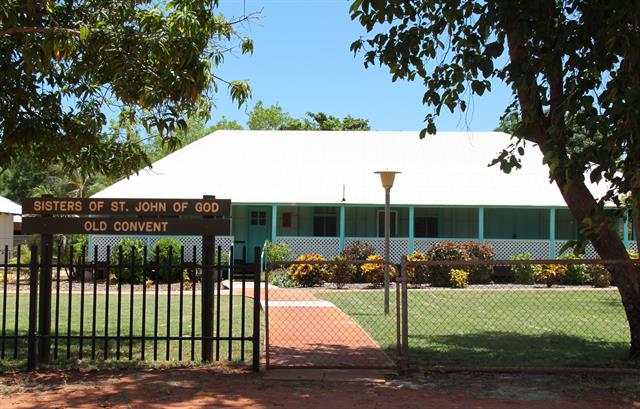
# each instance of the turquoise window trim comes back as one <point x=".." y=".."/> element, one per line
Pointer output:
<point x="412" y="223"/>
<point x="274" y="222"/>
<point x="481" y="224"/>
<point x="552" y="232"/>
<point x="342" y="227"/>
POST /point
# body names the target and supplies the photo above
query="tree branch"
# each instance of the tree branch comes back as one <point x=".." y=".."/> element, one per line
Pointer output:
<point x="18" y="30"/>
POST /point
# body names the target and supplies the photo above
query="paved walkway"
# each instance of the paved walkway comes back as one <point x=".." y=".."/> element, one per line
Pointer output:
<point x="307" y="332"/>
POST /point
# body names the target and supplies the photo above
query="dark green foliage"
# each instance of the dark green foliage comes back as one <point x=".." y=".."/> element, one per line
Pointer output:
<point x="275" y="118"/>
<point x="575" y="274"/>
<point x="279" y="277"/>
<point x="524" y="273"/>
<point x="358" y="251"/>
<point x="276" y="253"/>
<point x="479" y="251"/>
<point x="64" y="64"/>
<point x="599" y="276"/>
<point x="165" y="254"/>
<point x="128" y="267"/>
<point x="340" y="274"/>
<point x="446" y="250"/>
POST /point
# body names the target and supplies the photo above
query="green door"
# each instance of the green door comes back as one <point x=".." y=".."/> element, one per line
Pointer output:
<point x="259" y="229"/>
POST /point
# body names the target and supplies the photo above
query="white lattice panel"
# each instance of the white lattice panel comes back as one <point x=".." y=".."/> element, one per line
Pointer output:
<point x="398" y="247"/>
<point x="422" y="245"/>
<point x="632" y="245"/>
<point x="507" y="248"/>
<point x="327" y="247"/>
<point x="103" y="242"/>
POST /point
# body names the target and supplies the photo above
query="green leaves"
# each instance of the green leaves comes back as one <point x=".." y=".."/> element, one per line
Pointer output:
<point x="239" y="91"/>
<point x="149" y="63"/>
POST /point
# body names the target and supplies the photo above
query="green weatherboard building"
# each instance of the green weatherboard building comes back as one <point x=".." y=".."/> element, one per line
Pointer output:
<point x="317" y="191"/>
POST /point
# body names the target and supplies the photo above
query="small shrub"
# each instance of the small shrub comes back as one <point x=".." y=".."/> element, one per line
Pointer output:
<point x="340" y="274"/>
<point x="276" y="252"/>
<point x="417" y="274"/>
<point x="186" y="281"/>
<point x="132" y="253"/>
<point x="549" y="274"/>
<point x="574" y="274"/>
<point x="523" y="273"/>
<point x="446" y="250"/>
<point x="308" y="275"/>
<point x="160" y="252"/>
<point x="481" y="252"/>
<point x="358" y="251"/>
<point x="374" y="272"/>
<point x="25" y="255"/>
<point x="599" y="275"/>
<point x="279" y="277"/>
<point x="458" y="278"/>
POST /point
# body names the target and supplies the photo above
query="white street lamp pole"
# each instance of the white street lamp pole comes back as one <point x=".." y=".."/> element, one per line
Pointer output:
<point x="387" y="177"/>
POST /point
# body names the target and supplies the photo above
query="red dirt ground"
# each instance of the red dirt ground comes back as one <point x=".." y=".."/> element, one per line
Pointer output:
<point x="227" y="388"/>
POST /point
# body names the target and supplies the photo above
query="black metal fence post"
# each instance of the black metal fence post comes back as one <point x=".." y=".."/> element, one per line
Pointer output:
<point x="208" y="243"/>
<point x="44" y="316"/>
<point x="256" y="309"/>
<point x="32" y="352"/>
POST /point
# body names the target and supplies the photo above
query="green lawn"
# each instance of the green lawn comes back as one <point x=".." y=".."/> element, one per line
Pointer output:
<point x="173" y="329"/>
<point x="500" y="328"/>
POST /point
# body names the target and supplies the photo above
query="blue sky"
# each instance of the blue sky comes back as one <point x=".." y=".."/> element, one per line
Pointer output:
<point x="302" y="62"/>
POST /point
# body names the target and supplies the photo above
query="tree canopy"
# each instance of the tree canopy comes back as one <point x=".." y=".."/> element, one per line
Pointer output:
<point x="66" y="66"/>
<point x="274" y="117"/>
<point x="573" y="67"/>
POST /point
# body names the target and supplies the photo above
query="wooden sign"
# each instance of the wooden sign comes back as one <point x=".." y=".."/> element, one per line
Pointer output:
<point x="194" y="207"/>
<point x="126" y="226"/>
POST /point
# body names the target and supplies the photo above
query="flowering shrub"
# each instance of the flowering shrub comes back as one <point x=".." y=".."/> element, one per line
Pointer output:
<point x="358" y="251"/>
<point x="308" y="275"/>
<point x="446" y="250"/>
<point x="340" y="274"/>
<point x="374" y="272"/>
<point x="458" y="278"/>
<point x="549" y="274"/>
<point x="479" y="251"/>
<point x="417" y="274"/>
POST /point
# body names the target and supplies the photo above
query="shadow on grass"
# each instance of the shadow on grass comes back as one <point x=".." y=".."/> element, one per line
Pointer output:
<point x="504" y="349"/>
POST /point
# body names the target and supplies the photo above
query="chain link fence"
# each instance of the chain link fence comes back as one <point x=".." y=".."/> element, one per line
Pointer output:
<point x="472" y="314"/>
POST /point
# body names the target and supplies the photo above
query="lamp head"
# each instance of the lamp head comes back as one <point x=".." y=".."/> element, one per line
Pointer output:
<point x="387" y="177"/>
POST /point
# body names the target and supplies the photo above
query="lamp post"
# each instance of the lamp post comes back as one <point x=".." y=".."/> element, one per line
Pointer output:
<point x="387" y="177"/>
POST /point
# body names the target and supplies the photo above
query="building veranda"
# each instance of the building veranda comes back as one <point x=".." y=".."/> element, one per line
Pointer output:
<point x="316" y="191"/>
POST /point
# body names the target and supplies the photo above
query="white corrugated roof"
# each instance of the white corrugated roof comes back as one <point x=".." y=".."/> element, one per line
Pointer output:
<point x="289" y="167"/>
<point x="7" y="206"/>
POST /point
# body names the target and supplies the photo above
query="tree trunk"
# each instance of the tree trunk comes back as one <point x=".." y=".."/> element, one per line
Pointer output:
<point x="609" y="246"/>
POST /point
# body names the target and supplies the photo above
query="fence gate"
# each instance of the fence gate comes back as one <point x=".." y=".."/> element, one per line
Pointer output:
<point x="323" y="326"/>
